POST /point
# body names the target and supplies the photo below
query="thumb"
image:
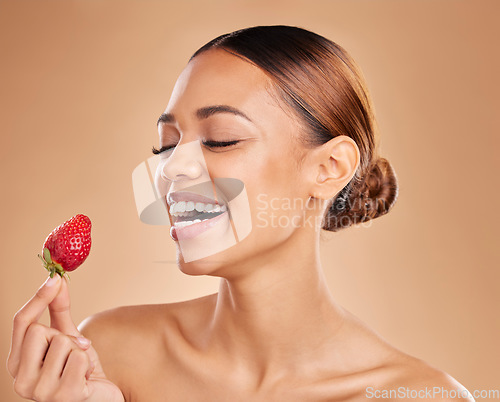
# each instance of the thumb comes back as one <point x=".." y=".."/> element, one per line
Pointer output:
<point x="82" y="342"/>
<point x="60" y="315"/>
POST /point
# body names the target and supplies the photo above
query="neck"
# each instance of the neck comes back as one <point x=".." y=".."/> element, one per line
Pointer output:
<point x="281" y="314"/>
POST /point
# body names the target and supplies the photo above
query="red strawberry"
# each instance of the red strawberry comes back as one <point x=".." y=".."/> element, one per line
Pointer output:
<point x="67" y="246"/>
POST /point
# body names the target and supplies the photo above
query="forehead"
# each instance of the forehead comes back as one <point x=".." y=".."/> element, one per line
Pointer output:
<point x="219" y="77"/>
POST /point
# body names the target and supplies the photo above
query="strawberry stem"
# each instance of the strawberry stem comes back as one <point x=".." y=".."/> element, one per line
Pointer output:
<point x="50" y="265"/>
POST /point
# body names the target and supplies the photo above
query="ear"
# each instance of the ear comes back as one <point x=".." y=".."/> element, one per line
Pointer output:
<point x="334" y="165"/>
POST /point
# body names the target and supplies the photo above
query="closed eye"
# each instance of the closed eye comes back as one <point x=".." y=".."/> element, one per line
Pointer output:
<point x="208" y="144"/>
<point x="162" y="149"/>
<point x="219" y="144"/>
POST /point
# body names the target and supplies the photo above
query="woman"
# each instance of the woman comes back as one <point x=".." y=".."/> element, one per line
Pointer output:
<point x="286" y="113"/>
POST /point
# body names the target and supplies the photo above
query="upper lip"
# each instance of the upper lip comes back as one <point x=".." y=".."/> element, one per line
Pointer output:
<point x="178" y="196"/>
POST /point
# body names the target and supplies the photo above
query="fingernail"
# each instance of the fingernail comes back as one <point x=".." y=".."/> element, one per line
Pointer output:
<point x="83" y="342"/>
<point x="52" y="281"/>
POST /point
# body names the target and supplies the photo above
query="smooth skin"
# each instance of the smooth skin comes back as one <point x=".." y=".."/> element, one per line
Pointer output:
<point x="273" y="331"/>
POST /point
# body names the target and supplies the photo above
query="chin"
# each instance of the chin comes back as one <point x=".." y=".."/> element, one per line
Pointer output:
<point x="211" y="265"/>
<point x="224" y="264"/>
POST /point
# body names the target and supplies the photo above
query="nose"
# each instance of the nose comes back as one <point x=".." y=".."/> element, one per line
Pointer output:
<point x="185" y="162"/>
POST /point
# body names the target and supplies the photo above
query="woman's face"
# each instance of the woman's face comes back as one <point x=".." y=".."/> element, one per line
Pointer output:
<point x="230" y="138"/>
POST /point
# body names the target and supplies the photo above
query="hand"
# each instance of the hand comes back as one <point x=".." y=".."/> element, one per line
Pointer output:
<point x="55" y="363"/>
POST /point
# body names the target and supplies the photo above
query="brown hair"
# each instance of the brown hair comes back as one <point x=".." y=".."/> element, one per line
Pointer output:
<point x="323" y="85"/>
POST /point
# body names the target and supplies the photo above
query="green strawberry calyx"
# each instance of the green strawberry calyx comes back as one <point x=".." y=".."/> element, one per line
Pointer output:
<point x="50" y="265"/>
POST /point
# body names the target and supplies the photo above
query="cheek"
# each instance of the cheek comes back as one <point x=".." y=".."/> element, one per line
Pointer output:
<point x="275" y="201"/>
<point x="276" y="176"/>
<point x="272" y="185"/>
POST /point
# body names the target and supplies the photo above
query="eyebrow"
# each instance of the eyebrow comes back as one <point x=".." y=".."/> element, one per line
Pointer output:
<point x="205" y="113"/>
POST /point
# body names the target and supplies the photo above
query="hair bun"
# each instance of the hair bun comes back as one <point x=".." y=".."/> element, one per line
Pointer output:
<point x="379" y="190"/>
<point x="373" y="196"/>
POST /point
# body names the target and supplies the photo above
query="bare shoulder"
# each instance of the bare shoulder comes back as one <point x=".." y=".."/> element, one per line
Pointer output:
<point x="413" y="378"/>
<point x="128" y="334"/>
<point x="134" y="322"/>
<point x="136" y="343"/>
<point x="389" y="373"/>
<point x="102" y="327"/>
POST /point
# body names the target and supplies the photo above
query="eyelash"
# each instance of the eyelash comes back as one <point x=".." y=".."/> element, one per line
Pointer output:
<point x="208" y="144"/>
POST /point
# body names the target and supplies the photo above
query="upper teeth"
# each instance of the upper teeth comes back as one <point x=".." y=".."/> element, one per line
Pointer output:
<point x="178" y="208"/>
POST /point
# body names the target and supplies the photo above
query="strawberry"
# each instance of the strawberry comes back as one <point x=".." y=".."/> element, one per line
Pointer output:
<point x="67" y="246"/>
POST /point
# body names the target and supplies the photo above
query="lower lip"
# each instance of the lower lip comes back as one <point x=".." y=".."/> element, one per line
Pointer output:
<point x="191" y="231"/>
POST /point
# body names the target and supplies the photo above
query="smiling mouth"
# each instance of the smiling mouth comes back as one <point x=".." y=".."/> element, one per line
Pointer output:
<point x="192" y="214"/>
<point x="185" y="213"/>
<point x="187" y="208"/>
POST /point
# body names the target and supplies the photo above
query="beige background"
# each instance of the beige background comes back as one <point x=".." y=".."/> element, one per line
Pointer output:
<point x="83" y="82"/>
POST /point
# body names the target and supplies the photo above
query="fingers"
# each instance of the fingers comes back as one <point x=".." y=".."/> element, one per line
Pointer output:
<point x="60" y="315"/>
<point x="57" y="355"/>
<point x="75" y="371"/>
<point x="52" y="363"/>
<point x="29" y="314"/>
<point x="35" y="345"/>
<point x="85" y="344"/>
